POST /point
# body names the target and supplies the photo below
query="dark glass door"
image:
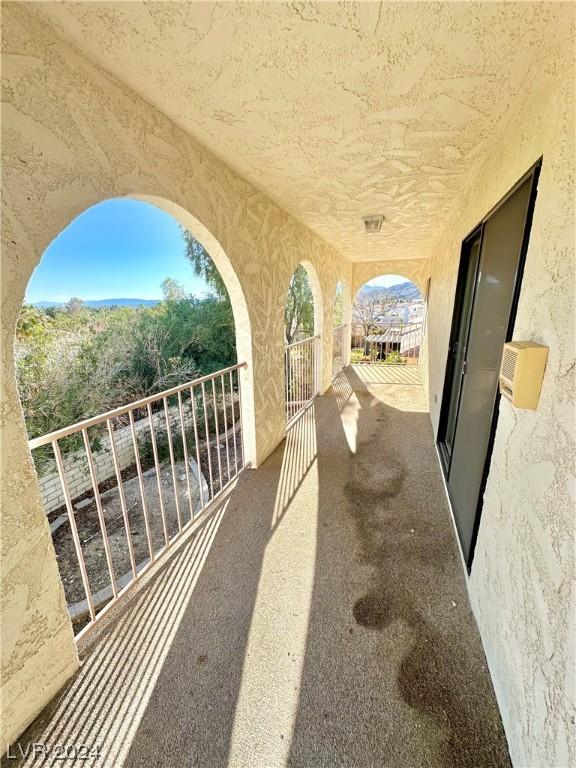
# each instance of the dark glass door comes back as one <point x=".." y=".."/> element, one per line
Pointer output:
<point x="488" y="285"/>
<point x="458" y="344"/>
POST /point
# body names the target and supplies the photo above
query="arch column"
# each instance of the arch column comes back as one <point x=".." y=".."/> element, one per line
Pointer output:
<point x="347" y="320"/>
<point x="38" y="649"/>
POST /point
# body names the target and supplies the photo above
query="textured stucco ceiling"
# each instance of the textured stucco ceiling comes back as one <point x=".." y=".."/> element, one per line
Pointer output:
<point x="334" y="109"/>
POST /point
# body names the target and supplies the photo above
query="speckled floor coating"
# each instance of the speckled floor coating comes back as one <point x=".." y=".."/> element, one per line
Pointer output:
<point x="319" y="619"/>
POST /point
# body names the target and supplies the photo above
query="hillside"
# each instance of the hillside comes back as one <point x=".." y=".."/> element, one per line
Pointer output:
<point x="406" y="290"/>
<point x="99" y="303"/>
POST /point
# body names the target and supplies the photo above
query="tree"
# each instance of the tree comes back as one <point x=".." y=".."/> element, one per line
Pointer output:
<point x="299" y="312"/>
<point x="203" y="265"/>
<point x="367" y="311"/>
<point x="32" y="323"/>
<point x="172" y="290"/>
<point x="71" y="368"/>
<point x="74" y="305"/>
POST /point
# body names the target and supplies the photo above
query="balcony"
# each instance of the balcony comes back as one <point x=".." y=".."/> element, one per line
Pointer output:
<point x="310" y="609"/>
<point x="318" y="616"/>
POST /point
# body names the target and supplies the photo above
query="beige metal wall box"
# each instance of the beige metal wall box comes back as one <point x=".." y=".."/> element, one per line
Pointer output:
<point x="522" y="371"/>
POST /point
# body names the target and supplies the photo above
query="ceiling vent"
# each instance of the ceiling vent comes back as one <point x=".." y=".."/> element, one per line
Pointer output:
<point x="372" y="224"/>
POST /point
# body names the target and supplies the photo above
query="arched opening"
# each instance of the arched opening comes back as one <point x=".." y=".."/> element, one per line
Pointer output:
<point x="136" y="390"/>
<point x="387" y="322"/>
<point x="303" y="324"/>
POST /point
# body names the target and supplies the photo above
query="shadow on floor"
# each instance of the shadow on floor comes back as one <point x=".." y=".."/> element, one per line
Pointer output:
<point x="378" y="373"/>
<point x="320" y="618"/>
<point x="394" y="673"/>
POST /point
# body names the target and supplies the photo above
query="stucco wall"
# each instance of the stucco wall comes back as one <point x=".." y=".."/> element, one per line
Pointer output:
<point x="523" y="571"/>
<point x="73" y="136"/>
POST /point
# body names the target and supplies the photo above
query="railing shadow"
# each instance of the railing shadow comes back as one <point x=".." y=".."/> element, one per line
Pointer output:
<point x="318" y="618"/>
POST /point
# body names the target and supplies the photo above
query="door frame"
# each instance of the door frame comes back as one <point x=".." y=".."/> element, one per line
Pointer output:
<point x="445" y="459"/>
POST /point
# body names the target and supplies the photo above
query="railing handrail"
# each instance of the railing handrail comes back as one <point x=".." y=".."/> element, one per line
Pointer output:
<point x="337" y="327"/>
<point x="58" y="434"/>
<point x="303" y="341"/>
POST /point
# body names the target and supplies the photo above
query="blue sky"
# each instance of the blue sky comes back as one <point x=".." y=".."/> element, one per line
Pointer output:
<point x="388" y="280"/>
<point x="117" y="249"/>
<point x="120" y="249"/>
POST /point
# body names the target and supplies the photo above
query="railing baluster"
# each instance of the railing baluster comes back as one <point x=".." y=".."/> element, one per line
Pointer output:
<point x="312" y="362"/>
<point x="240" y="424"/>
<point x="217" y="428"/>
<point x="74" y="529"/>
<point x="141" y="483"/>
<point x="100" y="511"/>
<point x="207" y="440"/>
<point x="312" y="365"/>
<point x="158" y="475"/>
<point x="225" y="426"/>
<point x="288" y="384"/>
<point x="307" y="382"/>
<point x="303" y="356"/>
<point x="296" y="364"/>
<point x="197" y="445"/>
<point x="185" y="447"/>
<point x="291" y="393"/>
<point x="172" y="463"/>
<point x="122" y="498"/>
<point x="233" y="423"/>
<point x="305" y="366"/>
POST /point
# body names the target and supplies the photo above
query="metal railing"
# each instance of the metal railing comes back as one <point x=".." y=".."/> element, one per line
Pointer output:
<point x="338" y="355"/>
<point x="391" y="344"/>
<point x="301" y="375"/>
<point x="171" y="455"/>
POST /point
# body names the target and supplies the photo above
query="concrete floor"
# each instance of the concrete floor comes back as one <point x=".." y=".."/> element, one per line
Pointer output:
<point x="319" y="619"/>
<point x="388" y="374"/>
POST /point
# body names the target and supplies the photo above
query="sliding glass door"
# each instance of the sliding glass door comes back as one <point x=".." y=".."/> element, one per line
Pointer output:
<point x="487" y="293"/>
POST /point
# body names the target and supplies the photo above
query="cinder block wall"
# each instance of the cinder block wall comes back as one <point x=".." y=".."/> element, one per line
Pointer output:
<point x="76" y="468"/>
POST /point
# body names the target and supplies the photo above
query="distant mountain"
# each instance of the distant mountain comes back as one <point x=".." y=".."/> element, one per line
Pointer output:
<point x="99" y="303"/>
<point x="405" y="290"/>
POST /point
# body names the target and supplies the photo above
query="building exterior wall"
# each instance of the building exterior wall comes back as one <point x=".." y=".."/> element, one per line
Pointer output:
<point x="521" y="584"/>
<point x="72" y="137"/>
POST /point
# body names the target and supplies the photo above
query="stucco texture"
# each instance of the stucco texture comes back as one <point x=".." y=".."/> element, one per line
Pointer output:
<point x="432" y="137"/>
<point x="335" y="109"/>
<point x="522" y="579"/>
<point x="72" y="137"/>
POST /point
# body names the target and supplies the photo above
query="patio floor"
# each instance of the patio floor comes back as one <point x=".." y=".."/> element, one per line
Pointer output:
<point x="318" y="619"/>
<point x="388" y="374"/>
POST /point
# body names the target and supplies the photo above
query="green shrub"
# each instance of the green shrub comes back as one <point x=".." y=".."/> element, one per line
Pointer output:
<point x="394" y="358"/>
